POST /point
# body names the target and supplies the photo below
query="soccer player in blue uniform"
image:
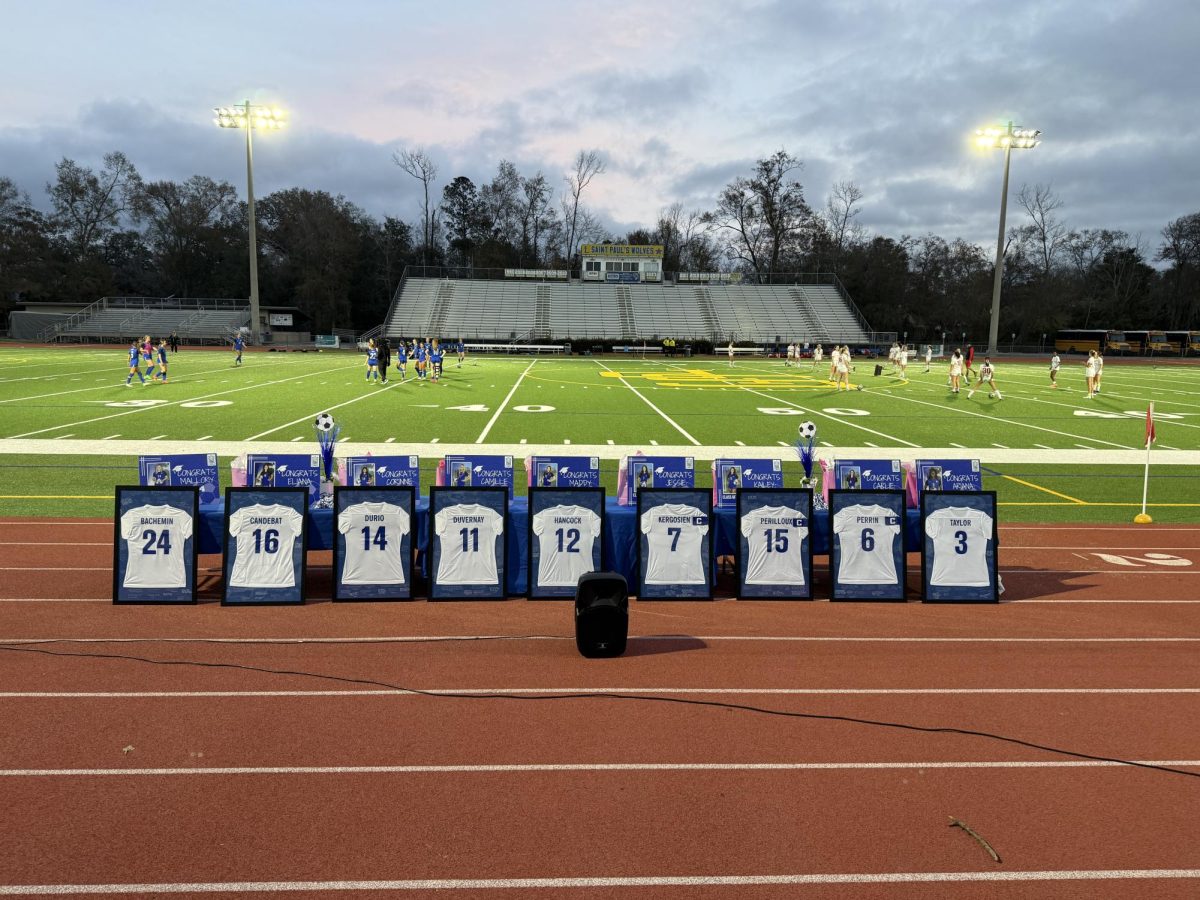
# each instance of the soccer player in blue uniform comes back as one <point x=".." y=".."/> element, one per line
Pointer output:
<point x="461" y="348"/>
<point x="420" y="360"/>
<point x="401" y="357"/>
<point x="462" y="476"/>
<point x="161" y="475"/>
<point x="372" y="361"/>
<point x="547" y="476"/>
<point x="644" y="476"/>
<point x="435" y="359"/>
<point x="162" y="360"/>
<point x="238" y="346"/>
<point x="135" y="358"/>
<point x="148" y="355"/>
<point x="731" y="479"/>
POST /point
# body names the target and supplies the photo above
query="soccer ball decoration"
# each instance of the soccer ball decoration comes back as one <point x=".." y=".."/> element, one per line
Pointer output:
<point x="324" y="422"/>
<point x="807" y="431"/>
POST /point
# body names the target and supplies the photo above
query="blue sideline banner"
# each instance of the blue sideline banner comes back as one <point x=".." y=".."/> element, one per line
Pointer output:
<point x="155" y="544"/>
<point x="868" y="474"/>
<point x="480" y="472"/>
<point x="285" y="470"/>
<point x="867" y="560"/>
<point x="373" y="543"/>
<point x="566" y="539"/>
<point x="468" y="543"/>
<point x="733" y="475"/>
<point x="383" y="471"/>
<point x="183" y="470"/>
<point x="774" y="547"/>
<point x="959" y="543"/>
<point x="564" y="471"/>
<point x="675" y="544"/>
<point x="266" y="540"/>
<point x="948" y="475"/>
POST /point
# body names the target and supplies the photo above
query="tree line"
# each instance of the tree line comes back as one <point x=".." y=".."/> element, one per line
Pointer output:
<point x="109" y="232"/>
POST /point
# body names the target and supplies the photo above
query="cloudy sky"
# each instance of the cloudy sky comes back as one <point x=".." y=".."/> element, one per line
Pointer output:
<point x="677" y="97"/>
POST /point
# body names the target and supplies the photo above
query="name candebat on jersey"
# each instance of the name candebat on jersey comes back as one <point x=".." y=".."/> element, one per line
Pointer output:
<point x="264" y="520"/>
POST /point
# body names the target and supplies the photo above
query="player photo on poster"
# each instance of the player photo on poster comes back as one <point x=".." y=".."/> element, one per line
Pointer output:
<point x="675" y="544"/>
<point x="266" y="539"/>
<point x="959" y="541"/>
<point x="774" y="550"/>
<point x="373" y="543"/>
<point x="565" y="541"/>
<point x="155" y="544"/>
<point x="866" y="559"/>
<point x="468" y="543"/>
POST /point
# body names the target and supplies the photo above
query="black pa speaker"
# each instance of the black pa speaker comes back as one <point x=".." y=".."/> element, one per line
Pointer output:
<point x="878" y="370"/>
<point x="601" y="614"/>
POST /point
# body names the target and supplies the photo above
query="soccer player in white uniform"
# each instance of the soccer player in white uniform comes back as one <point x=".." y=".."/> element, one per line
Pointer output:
<point x="154" y="536"/>
<point x="928" y="356"/>
<point x="791" y="354"/>
<point x="960" y="539"/>
<point x="374" y="542"/>
<point x="731" y="353"/>
<point x="1055" y="362"/>
<point x="775" y="535"/>
<point x="675" y="536"/>
<point x="467" y="533"/>
<point x="566" y="540"/>
<point x="902" y="360"/>
<point x="987" y="375"/>
<point x="818" y="355"/>
<point x="843" y="368"/>
<point x="266" y="536"/>
<point x="1089" y="371"/>
<point x="866" y="533"/>
<point x="1099" y="370"/>
<point x="956" y="369"/>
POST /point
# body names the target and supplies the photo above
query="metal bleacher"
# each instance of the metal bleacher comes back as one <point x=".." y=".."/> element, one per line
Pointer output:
<point x="123" y="318"/>
<point x="500" y="309"/>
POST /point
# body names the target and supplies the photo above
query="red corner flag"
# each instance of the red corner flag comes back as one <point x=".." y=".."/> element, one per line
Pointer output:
<point x="1150" y="425"/>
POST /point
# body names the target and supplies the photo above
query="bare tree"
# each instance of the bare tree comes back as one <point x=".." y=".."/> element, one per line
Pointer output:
<point x="840" y="214"/>
<point x="587" y="166"/>
<point x="1047" y="234"/>
<point x="421" y="166"/>
<point x="88" y="205"/>
<point x="535" y="215"/>
<point x="764" y="213"/>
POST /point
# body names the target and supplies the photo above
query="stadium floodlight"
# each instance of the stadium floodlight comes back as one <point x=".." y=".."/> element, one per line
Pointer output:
<point x="250" y="116"/>
<point x="1008" y="138"/>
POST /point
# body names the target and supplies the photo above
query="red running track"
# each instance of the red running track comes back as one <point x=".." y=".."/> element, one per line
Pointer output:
<point x="242" y="752"/>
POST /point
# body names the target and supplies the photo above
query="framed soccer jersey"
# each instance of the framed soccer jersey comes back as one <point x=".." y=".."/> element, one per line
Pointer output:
<point x="675" y="544"/>
<point x="959" y="541"/>
<point x="266" y="540"/>
<point x="774" y="552"/>
<point x="566" y="528"/>
<point x="468" y="543"/>
<point x="155" y="544"/>
<point x="373" y="543"/>
<point x="866" y="558"/>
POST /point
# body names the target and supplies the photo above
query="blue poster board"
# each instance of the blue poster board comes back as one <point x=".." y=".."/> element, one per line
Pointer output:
<point x="266" y="539"/>
<point x="468" y="543"/>
<point x="660" y="472"/>
<point x="564" y="471"/>
<point x="733" y="475"/>
<point x="480" y="472"/>
<point x="285" y="470"/>
<point x="383" y="471"/>
<point x="868" y="474"/>
<point x="373" y="543"/>
<point x="948" y="475"/>
<point x="867" y="559"/>
<point x="155" y="544"/>
<point x="675" y="544"/>
<point x="566" y="539"/>
<point x="959" y="541"/>
<point x="774" y="546"/>
<point x="183" y="470"/>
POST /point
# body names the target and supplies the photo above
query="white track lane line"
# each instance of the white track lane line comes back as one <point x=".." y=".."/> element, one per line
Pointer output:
<point x="673" y="691"/>
<point x="755" y="638"/>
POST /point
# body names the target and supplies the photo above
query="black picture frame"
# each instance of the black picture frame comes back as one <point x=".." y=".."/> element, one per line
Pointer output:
<point x="748" y="501"/>
<point x="346" y="496"/>
<point x="699" y="498"/>
<point x="983" y="501"/>
<point x="185" y="498"/>
<point x="495" y="499"/>
<point x="541" y="499"/>
<point x="296" y="499"/>
<point x="893" y="501"/>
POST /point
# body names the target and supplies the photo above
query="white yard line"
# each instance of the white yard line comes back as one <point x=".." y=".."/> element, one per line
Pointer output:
<point x="503" y="404"/>
<point x="312" y="415"/>
<point x="646" y="400"/>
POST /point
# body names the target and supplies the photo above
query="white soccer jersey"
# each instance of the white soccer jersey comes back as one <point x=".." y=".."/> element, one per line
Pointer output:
<point x="774" y="535"/>
<point x="374" y="541"/>
<point x="266" y="536"/>
<point x="154" y="537"/>
<point x="675" y="534"/>
<point x="467" y="533"/>
<point x="960" y="539"/>
<point x="566" y="538"/>
<point x="867" y="533"/>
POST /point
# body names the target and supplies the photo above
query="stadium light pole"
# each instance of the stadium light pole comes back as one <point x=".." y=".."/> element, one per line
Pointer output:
<point x="250" y="116"/>
<point x="1008" y="139"/>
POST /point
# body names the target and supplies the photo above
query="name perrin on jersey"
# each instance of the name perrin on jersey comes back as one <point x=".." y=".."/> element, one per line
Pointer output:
<point x="266" y="536"/>
<point x="375" y="535"/>
<point x="866" y="534"/>
<point x="154" y="538"/>
<point x="674" y="537"/>
<point x="566" y="538"/>
<point x="960" y="540"/>
<point x="467" y="535"/>
<point x="775" y="536"/>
